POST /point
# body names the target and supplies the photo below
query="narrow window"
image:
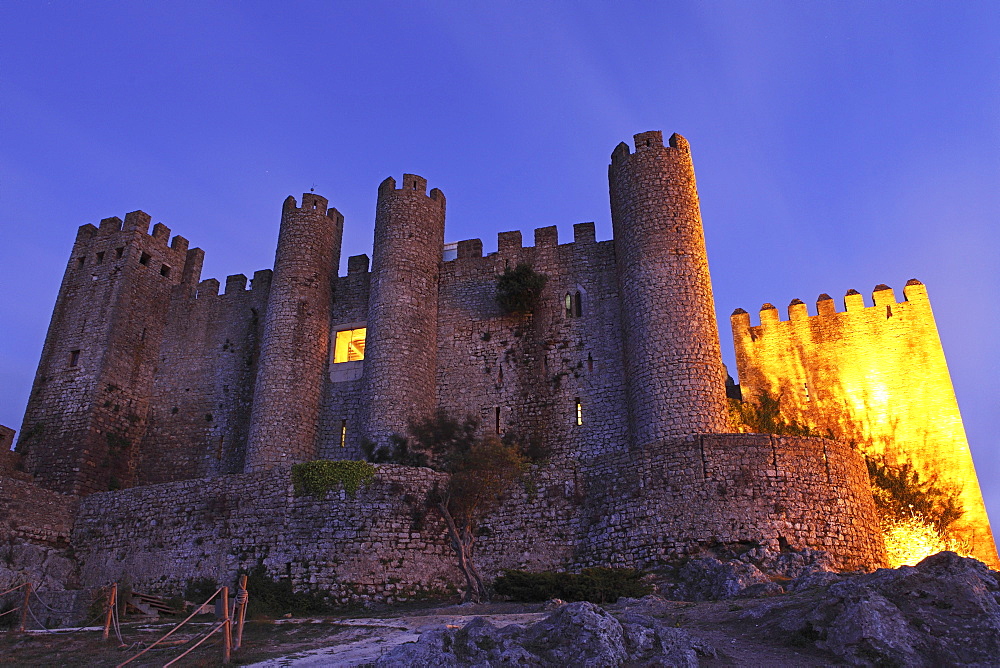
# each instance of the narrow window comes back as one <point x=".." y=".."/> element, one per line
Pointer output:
<point x="218" y="448"/>
<point x="498" y="430"/>
<point x="578" y="307"/>
<point x="569" y="305"/>
<point x="343" y="433"/>
<point x="144" y="259"/>
<point x="165" y="271"/>
<point x="74" y="357"/>
<point x="119" y="252"/>
<point x="79" y="262"/>
<point x="100" y="258"/>
<point x="142" y="337"/>
<point x="888" y="311"/>
<point x="349" y="346"/>
<point x="590" y="362"/>
<point x="500" y="375"/>
<point x="805" y="386"/>
<point x="579" y="412"/>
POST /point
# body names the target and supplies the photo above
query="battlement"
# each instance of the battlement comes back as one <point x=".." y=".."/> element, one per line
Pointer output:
<point x="883" y="297"/>
<point x="645" y="141"/>
<point x="236" y="284"/>
<point x="509" y="243"/>
<point x="412" y="183"/>
<point x="313" y="202"/>
<point x="135" y="221"/>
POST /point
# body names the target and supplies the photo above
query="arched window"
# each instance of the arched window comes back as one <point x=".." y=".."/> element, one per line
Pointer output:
<point x="578" y="307"/>
<point x="569" y="305"/>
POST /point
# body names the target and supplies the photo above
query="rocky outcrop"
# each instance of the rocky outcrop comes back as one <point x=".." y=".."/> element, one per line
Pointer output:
<point x="577" y="634"/>
<point x="943" y="611"/>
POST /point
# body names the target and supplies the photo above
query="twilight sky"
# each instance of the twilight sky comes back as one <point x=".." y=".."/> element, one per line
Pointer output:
<point x="837" y="145"/>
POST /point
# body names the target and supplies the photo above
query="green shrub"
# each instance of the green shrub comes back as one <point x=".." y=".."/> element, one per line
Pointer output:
<point x="319" y="477"/>
<point x="520" y="288"/>
<point x="597" y="585"/>
<point x="197" y="590"/>
<point x="274" y="598"/>
<point x="763" y="416"/>
<point x="900" y="494"/>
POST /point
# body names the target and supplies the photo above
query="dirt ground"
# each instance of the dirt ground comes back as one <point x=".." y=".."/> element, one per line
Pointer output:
<point x="357" y="641"/>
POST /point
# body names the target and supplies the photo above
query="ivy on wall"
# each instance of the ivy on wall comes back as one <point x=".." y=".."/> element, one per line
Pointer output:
<point x="318" y="477"/>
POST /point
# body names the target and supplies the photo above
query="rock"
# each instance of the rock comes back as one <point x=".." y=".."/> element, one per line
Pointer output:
<point x="943" y="611"/>
<point x="708" y="579"/>
<point x="577" y="634"/>
<point x="817" y="579"/>
<point x="762" y="590"/>
<point x="580" y="634"/>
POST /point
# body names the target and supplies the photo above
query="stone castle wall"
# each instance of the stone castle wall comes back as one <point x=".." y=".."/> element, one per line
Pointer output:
<point x="199" y="413"/>
<point x="378" y="545"/>
<point x="384" y="544"/>
<point x="876" y="375"/>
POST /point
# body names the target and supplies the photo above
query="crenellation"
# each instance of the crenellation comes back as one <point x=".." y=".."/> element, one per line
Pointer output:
<point x="137" y="221"/>
<point x="584" y="234"/>
<point x="546" y="236"/>
<point x="208" y="288"/>
<point x="161" y="232"/>
<point x="179" y="244"/>
<point x="509" y="243"/>
<point x="470" y="248"/>
<point x="236" y="283"/>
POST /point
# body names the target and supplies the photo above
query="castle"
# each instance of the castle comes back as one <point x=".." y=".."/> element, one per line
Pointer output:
<point x="165" y="413"/>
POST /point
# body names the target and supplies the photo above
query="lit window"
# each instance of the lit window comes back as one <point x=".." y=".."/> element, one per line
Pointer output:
<point x="349" y="345"/>
<point x="569" y="305"/>
<point x="579" y="412"/>
<point x="343" y="433"/>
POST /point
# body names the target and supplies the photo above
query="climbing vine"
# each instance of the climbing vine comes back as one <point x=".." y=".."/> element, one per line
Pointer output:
<point x="318" y="477"/>
<point x="520" y="288"/>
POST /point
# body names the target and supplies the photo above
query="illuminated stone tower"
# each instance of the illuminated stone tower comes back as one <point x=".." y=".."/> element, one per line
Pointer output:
<point x="673" y="366"/>
<point x="295" y="345"/>
<point x="90" y="400"/>
<point x="401" y="346"/>
<point x="875" y="375"/>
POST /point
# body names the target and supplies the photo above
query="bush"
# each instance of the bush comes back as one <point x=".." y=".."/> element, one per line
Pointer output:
<point x="197" y="590"/>
<point x="319" y="477"/>
<point x="763" y="416"/>
<point x="597" y="585"/>
<point x="274" y="598"/>
<point x="900" y="494"/>
<point x="520" y="288"/>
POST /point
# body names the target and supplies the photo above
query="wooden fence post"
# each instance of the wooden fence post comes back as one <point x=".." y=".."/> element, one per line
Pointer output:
<point x="227" y="631"/>
<point x="242" y="598"/>
<point x="112" y="602"/>
<point x="24" y="607"/>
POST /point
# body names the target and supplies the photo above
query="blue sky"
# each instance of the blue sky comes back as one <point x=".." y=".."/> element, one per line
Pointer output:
<point x="837" y="145"/>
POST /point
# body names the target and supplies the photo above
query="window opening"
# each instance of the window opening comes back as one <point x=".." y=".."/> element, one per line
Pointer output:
<point x="100" y="258"/>
<point x="119" y="252"/>
<point x="79" y="262"/>
<point x="888" y="311"/>
<point x="165" y="270"/>
<point x="145" y="258"/>
<point x="805" y="386"/>
<point x="569" y="305"/>
<point x="578" y="307"/>
<point x="349" y="345"/>
<point x="343" y="433"/>
<point x="500" y="375"/>
<point x="74" y="357"/>
<point x="579" y="412"/>
<point x="499" y="431"/>
<point x="590" y="362"/>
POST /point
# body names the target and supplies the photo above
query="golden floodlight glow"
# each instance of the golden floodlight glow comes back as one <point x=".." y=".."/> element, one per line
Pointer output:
<point x="911" y="540"/>
<point x="349" y="345"/>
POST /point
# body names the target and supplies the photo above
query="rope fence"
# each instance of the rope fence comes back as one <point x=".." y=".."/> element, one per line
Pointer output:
<point x="112" y="620"/>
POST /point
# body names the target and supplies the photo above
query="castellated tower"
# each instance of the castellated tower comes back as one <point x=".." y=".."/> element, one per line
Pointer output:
<point x="673" y="365"/>
<point x="90" y="400"/>
<point x="295" y="346"/>
<point x="401" y="344"/>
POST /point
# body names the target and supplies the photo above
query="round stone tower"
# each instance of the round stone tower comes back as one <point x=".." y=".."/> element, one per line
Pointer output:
<point x="674" y="374"/>
<point x="401" y="342"/>
<point x="295" y="345"/>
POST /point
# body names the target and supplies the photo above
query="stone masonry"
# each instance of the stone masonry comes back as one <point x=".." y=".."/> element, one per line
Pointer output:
<point x="176" y="411"/>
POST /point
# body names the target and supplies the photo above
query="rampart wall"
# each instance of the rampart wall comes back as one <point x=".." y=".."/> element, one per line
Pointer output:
<point x="639" y="509"/>
<point x="876" y="375"/>
<point x="377" y="545"/>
